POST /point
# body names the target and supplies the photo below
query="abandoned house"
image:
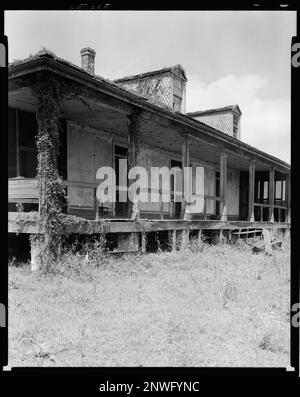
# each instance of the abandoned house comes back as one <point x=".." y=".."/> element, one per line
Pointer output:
<point x="243" y="188"/>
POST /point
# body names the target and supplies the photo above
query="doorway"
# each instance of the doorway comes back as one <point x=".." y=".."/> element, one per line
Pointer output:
<point x="121" y="208"/>
<point x="176" y="204"/>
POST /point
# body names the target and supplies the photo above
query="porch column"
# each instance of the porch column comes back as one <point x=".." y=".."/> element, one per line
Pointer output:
<point x="288" y="198"/>
<point x="185" y="163"/>
<point x="48" y="97"/>
<point x="17" y="143"/>
<point x="134" y="137"/>
<point x="223" y="184"/>
<point x="251" y="191"/>
<point x="271" y="194"/>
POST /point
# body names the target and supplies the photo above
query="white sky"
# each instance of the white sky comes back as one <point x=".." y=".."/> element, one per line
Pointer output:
<point x="229" y="57"/>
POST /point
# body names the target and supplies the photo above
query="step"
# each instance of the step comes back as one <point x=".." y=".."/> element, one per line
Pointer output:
<point x="249" y="231"/>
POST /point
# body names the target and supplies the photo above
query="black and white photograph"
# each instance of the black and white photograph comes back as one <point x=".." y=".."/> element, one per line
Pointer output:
<point x="149" y="188"/>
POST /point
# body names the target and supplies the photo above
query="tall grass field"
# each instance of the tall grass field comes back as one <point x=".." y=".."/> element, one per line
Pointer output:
<point x="207" y="305"/>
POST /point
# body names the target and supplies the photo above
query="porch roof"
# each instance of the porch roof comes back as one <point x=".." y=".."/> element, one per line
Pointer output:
<point x="109" y="105"/>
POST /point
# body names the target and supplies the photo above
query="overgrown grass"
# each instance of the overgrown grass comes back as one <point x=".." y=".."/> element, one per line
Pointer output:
<point x="209" y="305"/>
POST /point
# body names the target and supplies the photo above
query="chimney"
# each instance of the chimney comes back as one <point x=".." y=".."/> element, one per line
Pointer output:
<point x="88" y="60"/>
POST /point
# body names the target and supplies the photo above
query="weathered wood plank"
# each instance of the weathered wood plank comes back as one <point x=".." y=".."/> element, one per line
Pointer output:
<point x="251" y="191"/>
<point x="267" y="241"/>
<point x="22" y="188"/>
<point x="268" y="205"/>
<point x="247" y="232"/>
<point x="271" y="194"/>
<point x="25" y="222"/>
<point x="223" y="184"/>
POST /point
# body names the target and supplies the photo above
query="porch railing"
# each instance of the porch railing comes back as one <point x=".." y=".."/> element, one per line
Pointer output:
<point x="25" y="190"/>
<point x="261" y="206"/>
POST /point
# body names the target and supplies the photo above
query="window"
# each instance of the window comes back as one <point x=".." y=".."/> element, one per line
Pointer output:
<point x="27" y="127"/>
<point x="235" y="131"/>
<point x="218" y="184"/>
<point x="120" y="206"/>
<point x="280" y="190"/>
<point x="235" y="126"/>
<point x="22" y="150"/>
<point x="266" y="190"/>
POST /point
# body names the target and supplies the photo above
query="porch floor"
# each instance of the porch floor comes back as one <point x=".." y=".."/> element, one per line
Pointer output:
<point x="26" y="222"/>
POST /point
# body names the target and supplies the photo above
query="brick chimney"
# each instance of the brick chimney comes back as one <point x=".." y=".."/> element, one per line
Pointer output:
<point x="88" y="60"/>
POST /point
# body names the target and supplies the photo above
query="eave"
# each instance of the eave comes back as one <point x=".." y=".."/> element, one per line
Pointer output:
<point x="195" y="129"/>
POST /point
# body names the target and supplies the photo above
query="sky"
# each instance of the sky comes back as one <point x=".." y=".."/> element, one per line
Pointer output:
<point x="230" y="57"/>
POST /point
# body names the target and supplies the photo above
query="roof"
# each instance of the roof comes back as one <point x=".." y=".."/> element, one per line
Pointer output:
<point x="234" y="108"/>
<point x="174" y="69"/>
<point x="47" y="60"/>
<point x="44" y="52"/>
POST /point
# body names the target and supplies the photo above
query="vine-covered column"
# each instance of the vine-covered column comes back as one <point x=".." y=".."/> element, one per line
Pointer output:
<point x="48" y="97"/>
<point x="134" y="140"/>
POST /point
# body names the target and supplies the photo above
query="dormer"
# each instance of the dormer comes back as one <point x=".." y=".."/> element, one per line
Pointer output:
<point x="226" y="119"/>
<point x="165" y="87"/>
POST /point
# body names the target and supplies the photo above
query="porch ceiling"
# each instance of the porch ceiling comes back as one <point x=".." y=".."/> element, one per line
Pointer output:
<point x="155" y="131"/>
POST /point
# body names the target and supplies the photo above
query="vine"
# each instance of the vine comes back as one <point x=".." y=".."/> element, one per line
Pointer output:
<point x="51" y="192"/>
<point x="49" y="92"/>
<point x="84" y="225"/>
<point x="143" y="225"/>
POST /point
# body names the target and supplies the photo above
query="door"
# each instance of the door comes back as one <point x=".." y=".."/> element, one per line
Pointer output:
<point x="217" y="195"/>
<point x="244" y="195"/>
<point x="121" y="208"/>
<point x="176" y="205"/>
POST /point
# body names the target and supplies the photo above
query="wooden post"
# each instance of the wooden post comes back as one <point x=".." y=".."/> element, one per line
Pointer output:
<point x="113" y="165"/>
<point x="200" y="236"/>
<point x="17" y="143"/>
<point x="134" y="137"/>
<point x="185" y="163"/>
<point x="267" y="241"/>
<point x="251" y="191"/>
<point x="205" y="206"/>
<point x="288" y="198"/>
<point x="183" y="155"/>
<point x="48" y="96"/>
<point x="185" y="238"/>
<point x="223" y="184"/>
<point x="271" y="194"/>
<point x="174" y="240"/>
<point x="96" y="205"/>
<point x="161" y="204"/>
<point x="143" y="242"/>
<point x="221" y="237"/>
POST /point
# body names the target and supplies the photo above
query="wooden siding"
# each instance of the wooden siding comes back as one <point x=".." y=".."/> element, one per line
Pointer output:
<point x="23" y="189"/>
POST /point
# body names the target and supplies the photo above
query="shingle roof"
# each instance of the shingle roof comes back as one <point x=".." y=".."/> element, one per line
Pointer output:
<point x="188" y="116"/>
<point x="215" y="110"/>
<point x="44" y="52"/>
<point x="174" y="68"/>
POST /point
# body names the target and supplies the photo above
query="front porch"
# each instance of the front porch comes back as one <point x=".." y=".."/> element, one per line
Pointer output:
<point x="99" y="123"/>
<point x="263" y="197"/>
